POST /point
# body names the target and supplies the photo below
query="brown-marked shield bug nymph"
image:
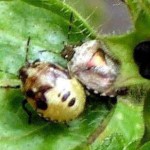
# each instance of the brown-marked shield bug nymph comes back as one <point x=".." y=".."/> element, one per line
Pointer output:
<point x="51" y="91"/>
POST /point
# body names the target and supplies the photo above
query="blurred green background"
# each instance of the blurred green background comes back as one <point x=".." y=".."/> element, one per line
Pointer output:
<point x="105" y="16"/>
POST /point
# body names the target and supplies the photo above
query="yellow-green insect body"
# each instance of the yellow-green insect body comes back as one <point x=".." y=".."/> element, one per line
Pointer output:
<point x="52" y="92"/>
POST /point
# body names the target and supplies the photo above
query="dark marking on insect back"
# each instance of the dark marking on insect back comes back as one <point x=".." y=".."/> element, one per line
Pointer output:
<point x="40" y="96"/>
<point x="41" y="104"/>
<point x="65" y="96"/>
<point x="41" y="91"/>
<point x="59" y="71"/>
<point x="53" y="66"/>
<point x="30" y="94"/>
<point x="72" y="102"/>
<point x="23" y="74"/>
<point x="44" y="88"/>
<point x="41" y="100"/>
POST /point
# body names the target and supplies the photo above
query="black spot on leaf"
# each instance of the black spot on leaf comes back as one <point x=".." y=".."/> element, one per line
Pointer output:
<point x="142" y="58"/>
<point x="142" y="53"/>
<point x="145" y="71"/>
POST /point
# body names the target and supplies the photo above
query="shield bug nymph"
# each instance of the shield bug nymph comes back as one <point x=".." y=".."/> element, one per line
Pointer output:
<point x="51" y="91"/>
<point x="93" y="67"/>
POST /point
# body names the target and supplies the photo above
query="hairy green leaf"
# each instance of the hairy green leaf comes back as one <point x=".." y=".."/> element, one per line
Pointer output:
<point x="47" y="23"/>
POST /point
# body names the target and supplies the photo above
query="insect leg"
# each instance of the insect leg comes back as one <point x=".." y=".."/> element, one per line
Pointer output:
<point x="24" y="102"/>
<point x="10" y="86"/>
<point x="27" y="50"/>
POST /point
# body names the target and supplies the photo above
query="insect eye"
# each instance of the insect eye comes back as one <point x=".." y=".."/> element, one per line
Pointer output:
<point x="142" y="53"/>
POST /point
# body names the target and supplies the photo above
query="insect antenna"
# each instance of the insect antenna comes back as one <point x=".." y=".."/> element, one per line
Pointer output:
<point x="67" y="52"/>
<point x="27" y="51"/>
<point x="26" y="61"/>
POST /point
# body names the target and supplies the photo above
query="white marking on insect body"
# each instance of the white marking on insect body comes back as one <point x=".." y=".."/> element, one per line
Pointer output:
<point x="93" y="67"/>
